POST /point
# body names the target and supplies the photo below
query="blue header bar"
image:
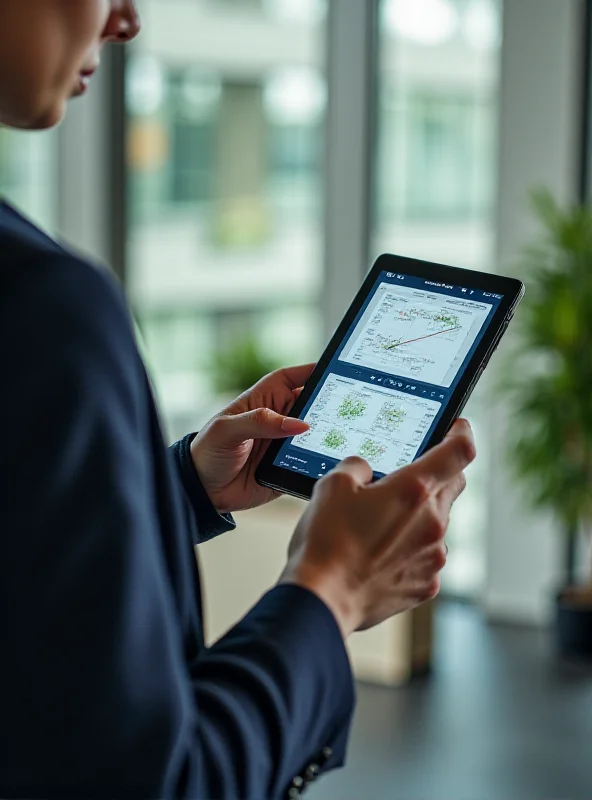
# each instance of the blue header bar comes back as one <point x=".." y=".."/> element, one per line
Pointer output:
<point x="465" y="292"/>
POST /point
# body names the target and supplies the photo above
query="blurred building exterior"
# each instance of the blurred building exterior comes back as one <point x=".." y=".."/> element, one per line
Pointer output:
<point x="226" y="103"/>
<point x="226" y="106"/>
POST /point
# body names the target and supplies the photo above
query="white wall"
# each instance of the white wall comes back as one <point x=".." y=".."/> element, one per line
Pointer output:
<point x="242" y="565"/>
<point x="539" y="132"/>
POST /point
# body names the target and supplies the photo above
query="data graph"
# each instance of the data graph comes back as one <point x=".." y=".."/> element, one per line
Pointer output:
<point x="384" y="426"/>
<point x="415" y="334"/>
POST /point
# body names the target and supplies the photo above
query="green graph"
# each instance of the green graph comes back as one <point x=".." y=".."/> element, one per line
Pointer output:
<point x="352" y="408"/>
<point x="447" y="320"/>
<point x="369" y="449"/>
<point x="335" y="439"/>
<point x="390" y="416"/>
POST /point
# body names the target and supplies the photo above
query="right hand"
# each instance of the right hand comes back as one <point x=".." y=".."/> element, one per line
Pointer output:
<point x="372" y="550"/>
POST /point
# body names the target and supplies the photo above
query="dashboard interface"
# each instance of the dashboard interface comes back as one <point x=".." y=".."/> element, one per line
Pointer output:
<point x="392" y="376"/>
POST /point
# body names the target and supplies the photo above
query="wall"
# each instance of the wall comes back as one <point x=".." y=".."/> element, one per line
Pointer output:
<point x="539" y="145"/>
<point x="241" y="565"/>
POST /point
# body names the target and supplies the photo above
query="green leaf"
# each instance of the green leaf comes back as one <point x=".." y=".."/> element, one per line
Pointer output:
<point x="547" y="374"/>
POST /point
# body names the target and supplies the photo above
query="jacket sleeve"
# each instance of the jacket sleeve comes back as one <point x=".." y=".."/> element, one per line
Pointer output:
<point x="97" y="696"/>
<point x="211" y="522"/>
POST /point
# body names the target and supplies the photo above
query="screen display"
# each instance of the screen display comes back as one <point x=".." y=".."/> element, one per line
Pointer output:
<point x="392" y="376"/>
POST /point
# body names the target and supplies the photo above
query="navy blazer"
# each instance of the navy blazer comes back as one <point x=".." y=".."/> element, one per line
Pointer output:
<point x="106" y="687"/>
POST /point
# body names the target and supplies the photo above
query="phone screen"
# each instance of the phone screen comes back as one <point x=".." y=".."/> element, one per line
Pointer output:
<point x="391" y="378"/>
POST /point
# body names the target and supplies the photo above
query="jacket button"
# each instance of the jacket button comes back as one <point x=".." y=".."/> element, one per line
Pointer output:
<point x="294" y="794"/>
<point x="327" y="754"/>
<point x="298" y="782"/>
<point x="312" y="773"/>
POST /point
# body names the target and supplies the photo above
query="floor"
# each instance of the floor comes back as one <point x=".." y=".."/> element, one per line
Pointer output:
<point x="500" y="718"/>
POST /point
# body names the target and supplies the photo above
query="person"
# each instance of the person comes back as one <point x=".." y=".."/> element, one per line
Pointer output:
<point x="106" y="687"/>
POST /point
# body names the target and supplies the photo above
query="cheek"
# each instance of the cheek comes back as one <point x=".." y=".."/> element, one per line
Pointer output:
<point x="26" y="70"/>
<point x="74" y="44"/>
<point x="39" y="64"/>
<point x="78" y="30"/>
<point x="92" y="22"/>
<point x="70" y="37"/>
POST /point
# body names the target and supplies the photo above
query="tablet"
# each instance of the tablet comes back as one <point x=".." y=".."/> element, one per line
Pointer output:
<point x="397" y="372"/>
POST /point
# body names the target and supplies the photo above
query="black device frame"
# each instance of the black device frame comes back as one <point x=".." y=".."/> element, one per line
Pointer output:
<point x="300" y="485"/>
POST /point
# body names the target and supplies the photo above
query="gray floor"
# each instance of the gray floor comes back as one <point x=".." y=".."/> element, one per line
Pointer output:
<point x="499" y="719"/>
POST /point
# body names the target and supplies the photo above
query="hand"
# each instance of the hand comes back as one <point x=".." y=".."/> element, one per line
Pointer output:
<point x="228" y="450"/>
<point x="373" y="550"/>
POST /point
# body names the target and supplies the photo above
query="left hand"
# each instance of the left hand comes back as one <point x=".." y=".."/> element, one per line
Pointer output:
<point x="228" y="450"/>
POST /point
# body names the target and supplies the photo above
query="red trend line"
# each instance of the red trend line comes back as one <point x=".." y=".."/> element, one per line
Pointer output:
<point x="420" y="338"/>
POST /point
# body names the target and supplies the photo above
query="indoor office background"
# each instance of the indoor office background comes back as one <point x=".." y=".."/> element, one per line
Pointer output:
<point x="250" y="158"/>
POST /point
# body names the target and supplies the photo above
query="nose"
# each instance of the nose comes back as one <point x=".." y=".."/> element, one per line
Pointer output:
<point x="123" y="24"/>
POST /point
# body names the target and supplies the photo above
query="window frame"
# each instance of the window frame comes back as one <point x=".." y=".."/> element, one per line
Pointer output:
<point x="542" y="65"/>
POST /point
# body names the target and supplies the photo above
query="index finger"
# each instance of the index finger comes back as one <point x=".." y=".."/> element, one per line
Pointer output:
<point x="440" y="465"/>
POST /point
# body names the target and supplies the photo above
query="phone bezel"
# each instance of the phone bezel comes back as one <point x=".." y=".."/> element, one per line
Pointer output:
<point x="300" y="485"/>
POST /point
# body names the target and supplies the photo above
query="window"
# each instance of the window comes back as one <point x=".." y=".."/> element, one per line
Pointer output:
<point x="226" y="105"/>
<point x="450" y="140"/>
<point x="435" y="171"/>
<point x="28" y="173"/>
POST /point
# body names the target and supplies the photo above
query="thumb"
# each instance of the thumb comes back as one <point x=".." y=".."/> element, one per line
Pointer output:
<point x="261" y="424"/>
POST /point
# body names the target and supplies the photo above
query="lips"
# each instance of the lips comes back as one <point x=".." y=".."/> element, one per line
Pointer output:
<point x="84" y="79"/>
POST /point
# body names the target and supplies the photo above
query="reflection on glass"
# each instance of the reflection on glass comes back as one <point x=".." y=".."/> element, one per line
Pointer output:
<point x="27" y="174"/>
<point x="435" y="180"/>
<point x="428" y="22"/>
<point x="223" y="152"/>
<point x="306" y="11"/>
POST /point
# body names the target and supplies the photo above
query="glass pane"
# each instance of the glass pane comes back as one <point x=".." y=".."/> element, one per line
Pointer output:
<point x="435" y="181"/>
<point x="226" y="103"/>
<point x="28" y="173"/>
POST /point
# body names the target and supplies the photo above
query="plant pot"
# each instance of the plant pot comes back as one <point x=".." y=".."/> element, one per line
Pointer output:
<point x="574" y="622"/>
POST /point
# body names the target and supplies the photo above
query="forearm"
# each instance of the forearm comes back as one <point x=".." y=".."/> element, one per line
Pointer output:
<point x="274" y="695"/>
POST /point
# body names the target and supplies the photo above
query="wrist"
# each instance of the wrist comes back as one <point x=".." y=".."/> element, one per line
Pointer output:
<point x="201" y="476"/>
<point x="329" y="587"/>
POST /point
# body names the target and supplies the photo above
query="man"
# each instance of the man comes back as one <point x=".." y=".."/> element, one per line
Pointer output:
<point x="106" y="687"/>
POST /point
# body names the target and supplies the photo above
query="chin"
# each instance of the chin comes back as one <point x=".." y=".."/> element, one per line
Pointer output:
<point x="35" y="120"/>
<point x="40" y="112"/>
<point x="48" y="118"/>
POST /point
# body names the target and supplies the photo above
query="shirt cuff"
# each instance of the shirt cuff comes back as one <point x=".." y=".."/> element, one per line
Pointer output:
<point x="210" y="523"/>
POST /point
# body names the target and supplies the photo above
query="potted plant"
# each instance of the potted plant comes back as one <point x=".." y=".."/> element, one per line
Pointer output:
<point x="239" y="365"/>
<point x="550" y="393"/>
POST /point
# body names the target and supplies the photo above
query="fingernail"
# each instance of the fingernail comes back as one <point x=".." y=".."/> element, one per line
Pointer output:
<point x="292" y="425"/>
